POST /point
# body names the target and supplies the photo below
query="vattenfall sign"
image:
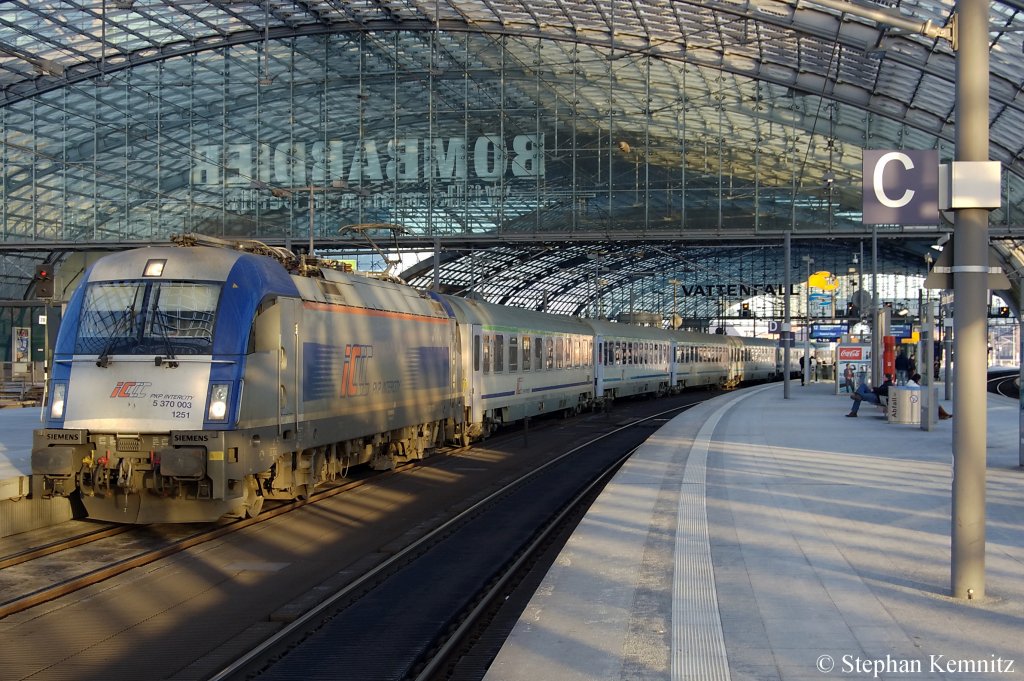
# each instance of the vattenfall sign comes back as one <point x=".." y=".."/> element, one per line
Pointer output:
<point x="901" y="187"/>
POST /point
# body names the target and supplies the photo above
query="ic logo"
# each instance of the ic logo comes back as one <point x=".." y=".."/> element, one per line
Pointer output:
<point x="353" y="371"/>
<point x="130" y="389"/>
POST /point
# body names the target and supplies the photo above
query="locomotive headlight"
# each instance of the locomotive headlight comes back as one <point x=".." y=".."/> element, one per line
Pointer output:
<point x="57" y="400"/>
<point x="218" y="409"/>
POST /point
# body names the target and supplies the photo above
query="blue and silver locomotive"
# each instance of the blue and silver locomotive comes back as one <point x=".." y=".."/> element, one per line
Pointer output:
<point x="195" y="381"/>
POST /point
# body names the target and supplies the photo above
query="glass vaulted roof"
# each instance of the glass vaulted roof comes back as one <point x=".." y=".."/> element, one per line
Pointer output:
<point x="470" y="125"/>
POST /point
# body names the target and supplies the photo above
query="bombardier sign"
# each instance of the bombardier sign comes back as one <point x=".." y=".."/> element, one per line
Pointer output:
<point x="901" y="187"/>
<point x="486" y="158"/>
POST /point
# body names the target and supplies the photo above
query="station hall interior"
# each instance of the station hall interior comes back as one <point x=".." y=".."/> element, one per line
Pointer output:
<point x="639" y="160"/>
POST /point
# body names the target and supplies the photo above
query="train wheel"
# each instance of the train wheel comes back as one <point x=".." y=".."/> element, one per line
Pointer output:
<point x="253" y="499"/>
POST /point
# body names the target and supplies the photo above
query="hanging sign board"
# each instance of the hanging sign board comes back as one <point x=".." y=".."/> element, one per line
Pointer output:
<point x="901" y="187"/>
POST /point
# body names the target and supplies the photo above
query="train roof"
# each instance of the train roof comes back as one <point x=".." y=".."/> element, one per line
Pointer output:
<point x="200" y="263"/>
<point x="618" y="329"/>
<point x="493" y="315"/>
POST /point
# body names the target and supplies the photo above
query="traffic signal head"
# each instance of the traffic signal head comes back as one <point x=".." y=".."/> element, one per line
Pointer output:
<point x="44" y="281"/>
<point x="1004" y="311"/>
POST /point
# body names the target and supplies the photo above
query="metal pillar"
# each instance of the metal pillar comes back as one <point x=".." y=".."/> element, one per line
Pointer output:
<point x="925" y="356"/>
<point x="786" y="319"/>
<point x="876" y="332"/>
<point x="970" y="321"/>
<point x="436" y="287"/>
<point x="807" y="322"/>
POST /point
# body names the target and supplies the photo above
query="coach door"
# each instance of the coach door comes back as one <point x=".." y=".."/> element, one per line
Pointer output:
<point x="476" y="374"/>
<point x="455" y="370"/>
<point x="673" y="363"/>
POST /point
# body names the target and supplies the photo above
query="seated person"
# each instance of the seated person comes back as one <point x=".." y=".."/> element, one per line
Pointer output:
<point x="869" y="394"/>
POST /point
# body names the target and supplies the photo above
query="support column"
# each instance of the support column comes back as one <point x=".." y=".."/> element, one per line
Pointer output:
<point x="786" y="319"/>
<point x="970" y="320"/>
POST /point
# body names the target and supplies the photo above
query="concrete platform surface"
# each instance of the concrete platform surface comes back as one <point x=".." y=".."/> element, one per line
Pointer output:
<point x="16" y="426"/>
<point x="768" y="539"/>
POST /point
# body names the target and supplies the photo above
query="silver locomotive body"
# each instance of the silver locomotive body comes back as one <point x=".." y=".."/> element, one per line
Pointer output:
<point x="195" y="382"/>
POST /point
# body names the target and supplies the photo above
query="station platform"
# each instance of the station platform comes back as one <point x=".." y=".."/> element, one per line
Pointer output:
<point x="761" y="539"/>
<point x="18" y="513"/>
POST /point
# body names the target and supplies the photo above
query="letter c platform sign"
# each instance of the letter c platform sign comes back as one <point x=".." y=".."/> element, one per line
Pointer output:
<point x="901" y="187"/>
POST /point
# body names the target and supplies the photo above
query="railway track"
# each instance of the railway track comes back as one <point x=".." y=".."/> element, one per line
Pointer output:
<point x="58" y="572"/>
<point x="1004" y="382"/>
<point x="453" y="578"/>
<point x="215" y="591"/>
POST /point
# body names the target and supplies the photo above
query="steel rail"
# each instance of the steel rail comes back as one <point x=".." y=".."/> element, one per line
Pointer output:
<point x="295" y="627"/>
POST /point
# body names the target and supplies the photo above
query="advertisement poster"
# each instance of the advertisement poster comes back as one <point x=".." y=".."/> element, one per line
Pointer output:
<point x="857" y="358"/>
<point x="21" y="348"/>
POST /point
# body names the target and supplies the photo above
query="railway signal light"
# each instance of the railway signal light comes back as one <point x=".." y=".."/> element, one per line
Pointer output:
<point x="44" y="281"/>
<point x="1004" y="311"/>
<point x="745" y="310"/>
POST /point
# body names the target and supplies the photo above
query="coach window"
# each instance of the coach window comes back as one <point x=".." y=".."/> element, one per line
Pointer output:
<point x="487" y="353"/>
<point x="538" y="353"/>
<point x="549" y="362"/>
<point x="526" y="353"/>
<point x="560" y="352"/>
<point x="476" y="353"/>
<point x="513" y="354"/>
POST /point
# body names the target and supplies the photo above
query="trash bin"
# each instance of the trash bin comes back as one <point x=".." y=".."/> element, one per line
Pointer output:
<point x="904" y="404"/>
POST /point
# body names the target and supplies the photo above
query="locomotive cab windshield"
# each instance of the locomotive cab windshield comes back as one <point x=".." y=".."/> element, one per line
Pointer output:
<point x="147" y="317"/>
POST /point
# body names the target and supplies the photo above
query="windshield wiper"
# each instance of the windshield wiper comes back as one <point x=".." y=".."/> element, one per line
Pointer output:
<point x="156" y="322"/>
<point x="124" y="324"/>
